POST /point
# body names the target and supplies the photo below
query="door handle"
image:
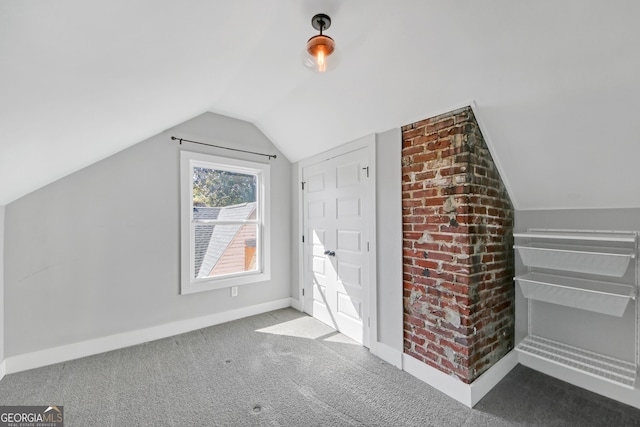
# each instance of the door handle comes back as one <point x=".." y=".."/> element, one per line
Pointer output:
<point x="330" y="253"/>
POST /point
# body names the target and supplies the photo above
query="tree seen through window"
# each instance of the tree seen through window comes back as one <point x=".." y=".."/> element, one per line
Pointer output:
<point x="219" y="188"/>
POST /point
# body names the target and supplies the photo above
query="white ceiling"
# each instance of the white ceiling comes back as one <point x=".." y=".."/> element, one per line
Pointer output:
<point x="555" y="82"/>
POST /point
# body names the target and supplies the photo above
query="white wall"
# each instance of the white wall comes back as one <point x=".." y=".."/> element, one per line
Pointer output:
<point x="389" y="237"/>
<point x="97" y="252"/>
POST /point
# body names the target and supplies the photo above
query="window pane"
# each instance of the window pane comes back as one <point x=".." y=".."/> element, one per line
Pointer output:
<point x="219" y="188"/>
<point x="230" y="197"/>
<point x="225" y="249"/>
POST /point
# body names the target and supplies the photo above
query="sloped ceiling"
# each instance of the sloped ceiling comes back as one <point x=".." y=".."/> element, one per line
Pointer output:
<point x="555" y="82"/>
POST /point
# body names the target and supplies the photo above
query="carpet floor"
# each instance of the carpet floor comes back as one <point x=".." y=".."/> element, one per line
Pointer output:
<point x="284" y="368"/>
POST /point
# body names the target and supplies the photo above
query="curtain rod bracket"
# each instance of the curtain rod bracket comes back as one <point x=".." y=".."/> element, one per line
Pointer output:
<point x="270" y="156"/>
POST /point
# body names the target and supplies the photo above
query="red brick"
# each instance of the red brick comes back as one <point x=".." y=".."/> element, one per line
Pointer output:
<point x="426" y="175"/>
<point x="453" y="170"/>
<point x="428" y="336"/>
<point x="447" y="238"/>
<point x="412" y="320"/>
<point x="427" y="354"/>
<point x="413" y="219"/>
<point x="426" y="211"/>
<point x="439" y="144"/>
<point x="458" y="348"/>
<point x="457" y="130"/>
<point x="435" y="201"/>
<point x="409" y="150"/>
<point x="441" y="256"/>
<point x="487" y="258"/>
<point x="419" y="341"/>
<point x="425" y="263"/>
<point x="440" y="125"/>
<point x="426" y="227"/>
<point x="426" y="139"/>
<point x="441" y="332"/>
<point x="410" y="203"/>
<point x="429" y="193"/>
<point x="426" y="157"/>
<point x="412" y="133"/>
<point x="455" y="268"/>
<point x="427" y="281"/>
<point x="456" y="287"/>
<point x="413" y="168"/>
<point x="412" y="186"/>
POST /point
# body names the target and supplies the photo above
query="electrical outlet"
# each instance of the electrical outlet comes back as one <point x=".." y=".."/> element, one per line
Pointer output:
<point x="234" y="291"/>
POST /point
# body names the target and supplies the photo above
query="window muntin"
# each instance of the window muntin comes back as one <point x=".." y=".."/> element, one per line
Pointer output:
<point x="225" y="206"/>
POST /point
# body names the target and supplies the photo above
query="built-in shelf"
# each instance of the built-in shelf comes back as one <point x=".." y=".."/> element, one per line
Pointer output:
<point x="601" y="297"/>
<point x="598" y="365"/>
<point x="596" y="272"/>
<point x="582" y="235"/>
<point x="584" y="259"/>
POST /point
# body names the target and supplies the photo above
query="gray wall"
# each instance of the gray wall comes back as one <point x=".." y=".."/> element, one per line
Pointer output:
<point x="97" y="252"/>
<point x="389" y="237"/>
<point x="597" y="332"/>
<point x="2" y="208"/>
<point x="296" y="262"/>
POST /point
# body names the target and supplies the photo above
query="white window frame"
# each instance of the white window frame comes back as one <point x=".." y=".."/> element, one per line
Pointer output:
<point x="189" y="284"/>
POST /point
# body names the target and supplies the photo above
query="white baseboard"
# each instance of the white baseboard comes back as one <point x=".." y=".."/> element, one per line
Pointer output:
<point x="467" y="394"/>
<point x="489" y="379"/>
<point x="389" y="354"/>
<point x="3" y="369"/>
<point x="447" y="384"/>
<point x="296" y="303"/>
<point x="68" y="352"/>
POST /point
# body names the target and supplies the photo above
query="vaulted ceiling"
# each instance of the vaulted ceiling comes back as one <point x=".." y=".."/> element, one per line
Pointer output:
<point x="555" y="83"/>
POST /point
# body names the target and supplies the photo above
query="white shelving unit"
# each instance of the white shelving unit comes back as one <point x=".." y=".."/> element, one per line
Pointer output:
<point x="592" y="271"/>
<point x="588" y="362"/>
<point x="597" y="260"/>
<point x="593" y="295"/>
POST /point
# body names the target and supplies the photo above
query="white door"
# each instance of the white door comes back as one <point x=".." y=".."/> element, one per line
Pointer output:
<point x="336" y="282"/>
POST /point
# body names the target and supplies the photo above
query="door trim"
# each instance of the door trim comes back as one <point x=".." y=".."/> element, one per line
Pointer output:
<point x="368" y="142"/>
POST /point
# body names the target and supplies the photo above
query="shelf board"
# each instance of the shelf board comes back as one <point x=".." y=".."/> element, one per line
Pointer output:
<point x="583" y="259"/>
<point x="594" y="236"/>
<point x="592" y="295"/>
<point x="591" y="363"/>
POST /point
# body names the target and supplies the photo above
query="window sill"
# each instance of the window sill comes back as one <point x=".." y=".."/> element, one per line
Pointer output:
<point x="204" y="285"/>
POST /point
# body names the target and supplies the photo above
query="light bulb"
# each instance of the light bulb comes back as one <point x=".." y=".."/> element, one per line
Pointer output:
<point x="322" y="64"/>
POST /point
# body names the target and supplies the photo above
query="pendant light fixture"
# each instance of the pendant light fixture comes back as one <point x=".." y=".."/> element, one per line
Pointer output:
<point x="320" y="46"/>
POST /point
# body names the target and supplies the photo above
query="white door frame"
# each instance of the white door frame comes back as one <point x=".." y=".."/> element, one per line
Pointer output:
<point x="368" y="142"/>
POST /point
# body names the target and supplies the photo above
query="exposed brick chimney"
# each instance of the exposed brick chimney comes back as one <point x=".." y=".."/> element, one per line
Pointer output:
<point x="458" y="240"/>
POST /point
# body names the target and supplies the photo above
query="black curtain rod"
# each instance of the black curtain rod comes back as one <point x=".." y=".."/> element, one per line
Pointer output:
<point x="224" y="148"/>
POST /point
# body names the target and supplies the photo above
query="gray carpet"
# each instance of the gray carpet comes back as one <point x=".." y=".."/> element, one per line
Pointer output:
<point x="285" y="369"/>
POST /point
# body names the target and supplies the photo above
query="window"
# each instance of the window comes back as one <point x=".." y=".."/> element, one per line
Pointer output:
<point x="224" y="215"/>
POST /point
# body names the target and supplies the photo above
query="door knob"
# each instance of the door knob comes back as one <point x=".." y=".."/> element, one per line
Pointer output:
<point x="330" y="253"/>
